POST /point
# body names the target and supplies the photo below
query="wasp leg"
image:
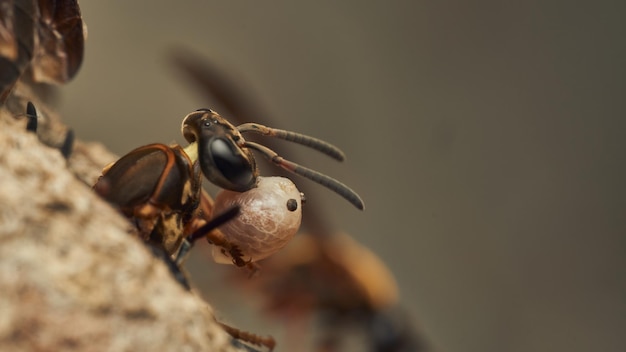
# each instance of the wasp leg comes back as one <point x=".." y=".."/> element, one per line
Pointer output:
<point x="160" y="253"/>
<point x="237" y="256"/>
<point x="250" y="338"/>
<point x="204" y="231"/>
<point x="32" y="124"/>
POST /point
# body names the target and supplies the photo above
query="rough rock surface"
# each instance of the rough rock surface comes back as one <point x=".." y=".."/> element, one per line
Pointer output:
<point x="72" y="277"/>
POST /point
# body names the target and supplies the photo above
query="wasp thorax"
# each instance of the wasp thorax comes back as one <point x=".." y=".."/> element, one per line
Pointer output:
<point x="269" y="217"/>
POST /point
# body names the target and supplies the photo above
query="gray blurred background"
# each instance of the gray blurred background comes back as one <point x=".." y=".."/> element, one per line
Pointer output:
<point x="486" y="137"/>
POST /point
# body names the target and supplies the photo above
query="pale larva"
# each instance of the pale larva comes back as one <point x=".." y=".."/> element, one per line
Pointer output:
<point x="269" y="217"/>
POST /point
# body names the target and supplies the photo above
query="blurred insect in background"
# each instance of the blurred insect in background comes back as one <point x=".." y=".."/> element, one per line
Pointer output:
<point x="341" y="283"/>
<point x="41" y="43"/>
<point x="43" y="36"/>
<point x="321" y="273"/>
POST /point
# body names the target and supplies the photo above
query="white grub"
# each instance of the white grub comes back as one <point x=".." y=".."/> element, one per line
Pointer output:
<point x="267" y="221"/>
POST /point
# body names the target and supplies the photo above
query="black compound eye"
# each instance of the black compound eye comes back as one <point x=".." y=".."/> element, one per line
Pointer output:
<point x="225" y="166"/>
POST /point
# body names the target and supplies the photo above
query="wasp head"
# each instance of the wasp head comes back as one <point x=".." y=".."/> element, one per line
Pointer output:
<point x="223" y="159"/>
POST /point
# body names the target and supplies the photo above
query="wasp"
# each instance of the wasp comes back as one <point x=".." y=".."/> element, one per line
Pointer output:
<point x="45" y="36"/>
<point x="159" y="186"/>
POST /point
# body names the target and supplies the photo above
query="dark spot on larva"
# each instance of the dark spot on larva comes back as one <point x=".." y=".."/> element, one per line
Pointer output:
<point x="292" y="204"/>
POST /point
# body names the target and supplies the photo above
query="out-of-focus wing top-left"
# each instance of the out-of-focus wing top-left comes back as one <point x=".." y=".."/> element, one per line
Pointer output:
<point x="47" y="35"/>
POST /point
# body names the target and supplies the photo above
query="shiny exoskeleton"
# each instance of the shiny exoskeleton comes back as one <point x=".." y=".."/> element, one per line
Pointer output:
<point x="45" y="35"/>
<point x="158" y="187"/>
<point x="155" y="186"/>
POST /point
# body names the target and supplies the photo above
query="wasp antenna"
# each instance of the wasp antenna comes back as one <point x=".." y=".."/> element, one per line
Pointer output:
<point x="326" y="181"/>
<point x="311" y="142"/>
<point x="31" y="113"/>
